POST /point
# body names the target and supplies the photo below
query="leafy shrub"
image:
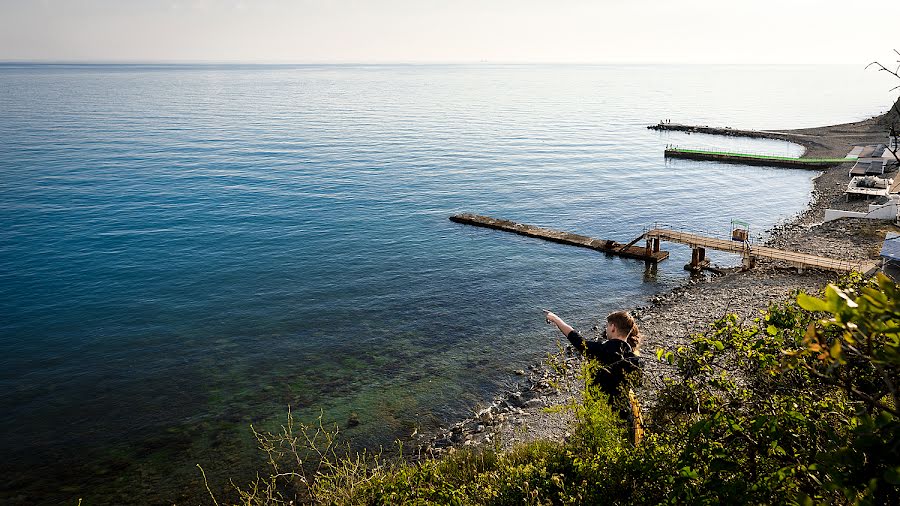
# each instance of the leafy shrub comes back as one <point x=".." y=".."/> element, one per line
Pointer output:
<point x="796" y="407"/>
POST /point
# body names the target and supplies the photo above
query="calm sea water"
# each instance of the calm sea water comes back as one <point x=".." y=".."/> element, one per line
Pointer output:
<point x="186" y="250"/>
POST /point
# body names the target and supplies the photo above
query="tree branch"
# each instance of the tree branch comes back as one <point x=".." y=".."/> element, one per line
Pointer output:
<point x="862" y="396"/>
<point x="895" y="73"/>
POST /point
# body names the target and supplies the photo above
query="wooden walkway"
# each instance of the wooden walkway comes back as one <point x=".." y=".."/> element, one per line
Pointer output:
<point x="797" y="259"/>
<point x="650" y="252"/>
<point x="606" y="246"/>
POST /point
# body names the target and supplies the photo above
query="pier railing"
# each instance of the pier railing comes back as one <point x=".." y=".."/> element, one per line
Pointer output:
<point x="751" y="248"/>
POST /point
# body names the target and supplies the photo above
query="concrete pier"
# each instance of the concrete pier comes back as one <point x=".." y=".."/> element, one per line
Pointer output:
<point x="754" y="159"/>
<point x="649" y="253"/>
<point x="703" y="129"/>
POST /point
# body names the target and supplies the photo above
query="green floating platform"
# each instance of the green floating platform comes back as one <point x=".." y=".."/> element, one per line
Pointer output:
<point x="754" y="159"/>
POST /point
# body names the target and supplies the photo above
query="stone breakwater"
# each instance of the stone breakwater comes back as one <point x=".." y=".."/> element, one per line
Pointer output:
<point x="724" y="131"/>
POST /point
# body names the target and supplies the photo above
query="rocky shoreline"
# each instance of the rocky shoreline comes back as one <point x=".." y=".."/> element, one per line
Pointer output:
<point x="670" y="319"/>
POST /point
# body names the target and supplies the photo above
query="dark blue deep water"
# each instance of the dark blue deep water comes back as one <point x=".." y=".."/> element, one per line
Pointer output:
<point x="186" y="250"/>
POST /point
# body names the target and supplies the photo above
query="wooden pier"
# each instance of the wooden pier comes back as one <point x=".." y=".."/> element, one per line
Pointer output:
<point x="649" y="253"/>
<point x="699" y="243"/>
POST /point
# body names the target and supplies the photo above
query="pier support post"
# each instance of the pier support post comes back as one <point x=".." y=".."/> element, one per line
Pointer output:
<point x="650" y="271"/>
<point x="695" y="257"/>
<point x="698" y="259"/>
<point x="656" y="244"/>
<point x="749" y="262"/>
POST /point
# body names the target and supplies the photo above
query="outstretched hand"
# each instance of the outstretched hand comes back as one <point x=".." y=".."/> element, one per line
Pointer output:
<point x="550" y="317"/>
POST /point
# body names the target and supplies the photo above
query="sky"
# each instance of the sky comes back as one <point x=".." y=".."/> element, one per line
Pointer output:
<point x="438" y="31"/>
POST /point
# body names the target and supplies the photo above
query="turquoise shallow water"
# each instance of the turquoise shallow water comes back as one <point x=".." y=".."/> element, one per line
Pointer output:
<point x="187" y="250"/>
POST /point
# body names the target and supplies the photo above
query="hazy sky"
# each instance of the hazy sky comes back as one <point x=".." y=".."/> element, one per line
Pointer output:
<point x="676" y="31"/>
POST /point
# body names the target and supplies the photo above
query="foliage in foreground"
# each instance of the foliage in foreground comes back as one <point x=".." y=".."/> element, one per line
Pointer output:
<point x="796" y="407"/>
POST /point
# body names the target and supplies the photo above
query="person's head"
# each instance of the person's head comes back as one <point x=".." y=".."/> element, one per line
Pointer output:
<point x="621" y="325"/>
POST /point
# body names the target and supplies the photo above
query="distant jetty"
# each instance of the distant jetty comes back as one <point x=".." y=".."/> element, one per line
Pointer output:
<point x="746" y="158"/>
<point x="698" y="129"/>
<point x="649" y="253"/>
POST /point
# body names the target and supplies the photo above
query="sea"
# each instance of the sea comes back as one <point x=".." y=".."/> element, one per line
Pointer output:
<point x="189" y="251"/>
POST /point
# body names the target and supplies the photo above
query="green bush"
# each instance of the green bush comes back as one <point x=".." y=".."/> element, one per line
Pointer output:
<point x="796" y="407"/>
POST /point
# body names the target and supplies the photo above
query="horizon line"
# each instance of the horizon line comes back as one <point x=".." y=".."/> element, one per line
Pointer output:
<point x="384" y="62"/>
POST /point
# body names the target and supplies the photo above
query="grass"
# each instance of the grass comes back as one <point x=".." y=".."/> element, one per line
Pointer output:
<point x="784" y="409"/>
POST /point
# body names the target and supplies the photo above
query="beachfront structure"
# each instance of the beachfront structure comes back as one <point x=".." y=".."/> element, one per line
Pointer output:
<point x="879" y="187"/>
<point x="871" y="162"/>
<point x="869" y="151"/>
<point x="869" y="186"/>
<point x="886" y="211"/>
<point x="890" y="250"/>
<point x="868" y="167"/>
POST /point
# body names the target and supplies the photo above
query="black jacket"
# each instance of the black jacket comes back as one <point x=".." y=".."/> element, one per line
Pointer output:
<point x="616" y="359"/>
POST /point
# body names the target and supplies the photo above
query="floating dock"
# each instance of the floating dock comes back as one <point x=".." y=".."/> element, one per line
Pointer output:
<point x="648" y="253"/>
<point x="754" y="159"/>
